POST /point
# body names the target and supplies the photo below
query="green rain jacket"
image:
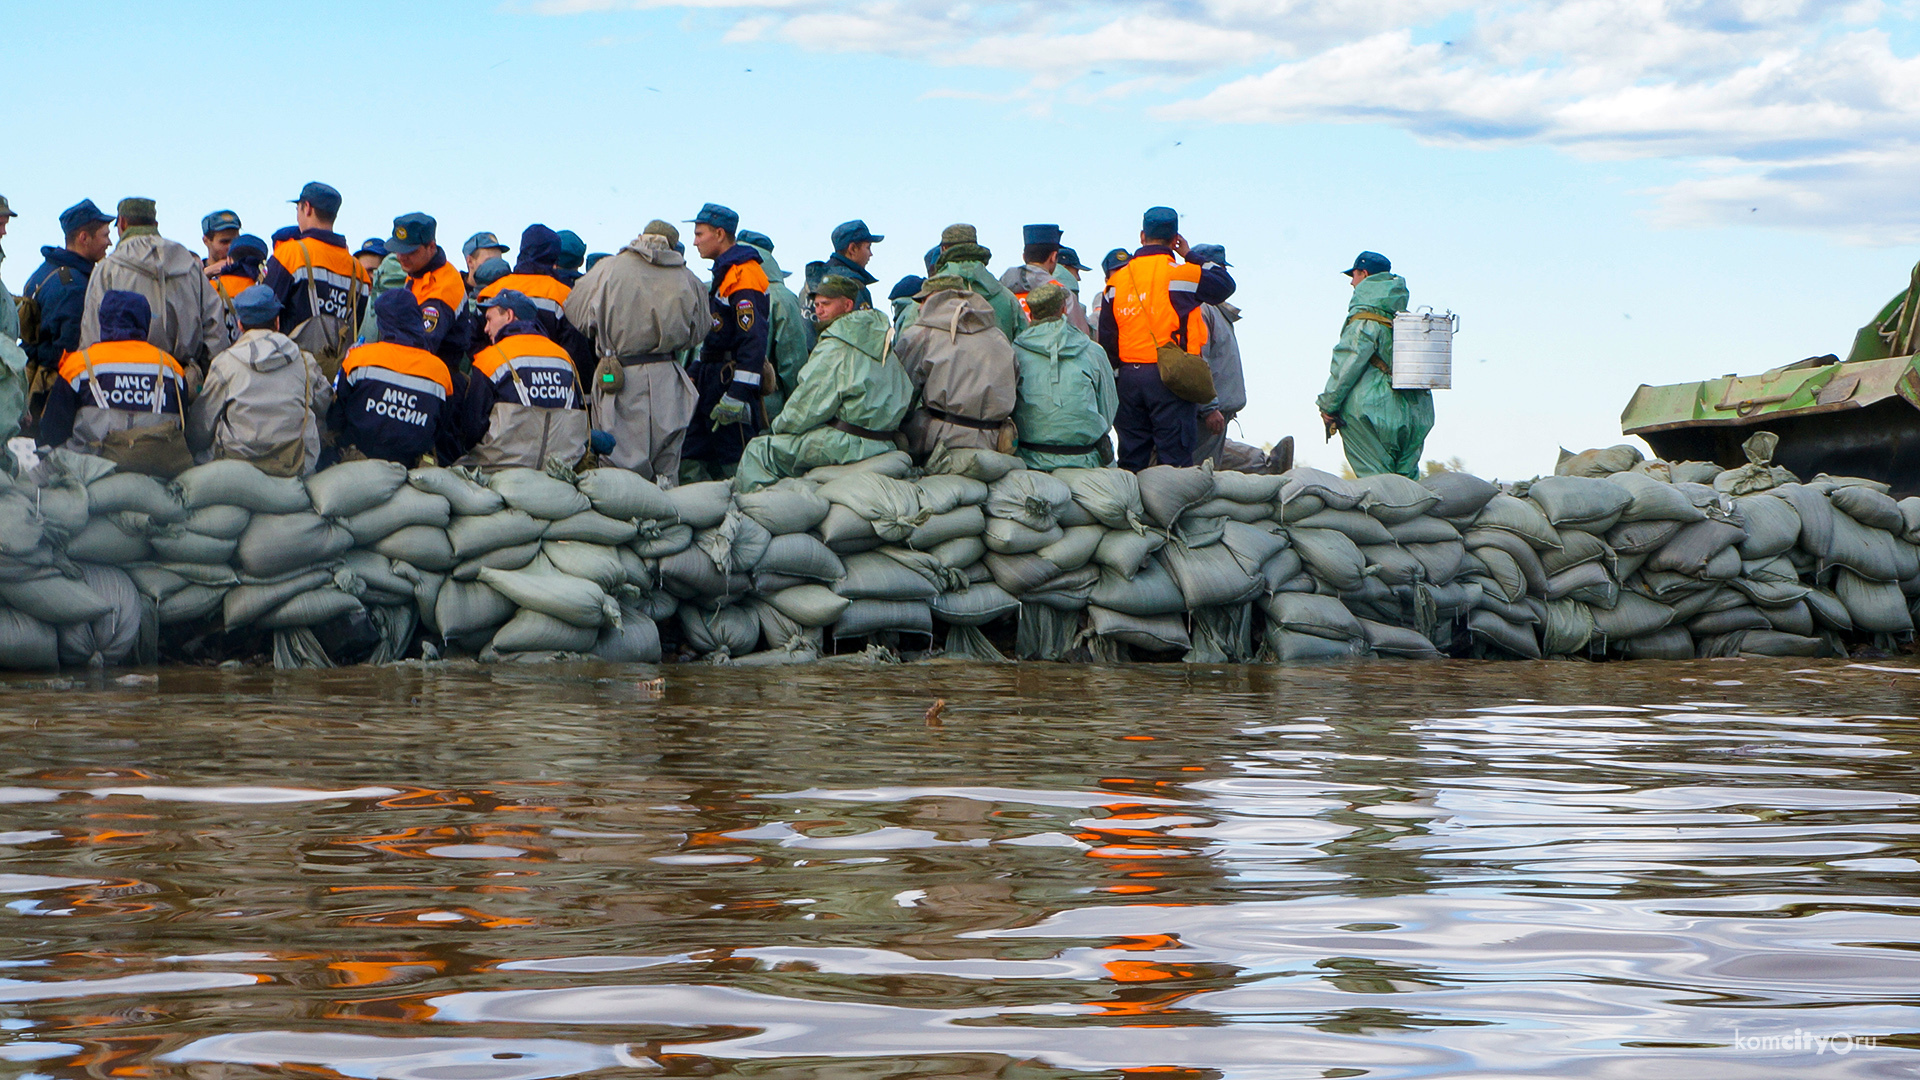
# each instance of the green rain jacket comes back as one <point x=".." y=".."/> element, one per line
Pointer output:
<point x="788" y="341"/>
<point x="1007" y="313"/>
<point x="13" y="371"/>
<point x="388" y="275"/>
<point x="1067" y="394"/>
<point x="852" y="377"/>
<point x="1382" y="429"/>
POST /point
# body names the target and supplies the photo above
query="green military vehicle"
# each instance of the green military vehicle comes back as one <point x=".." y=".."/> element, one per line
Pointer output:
<point x="1854" y="417"/>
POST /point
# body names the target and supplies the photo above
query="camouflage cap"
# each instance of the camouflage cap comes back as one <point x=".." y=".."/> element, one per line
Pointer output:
<point x="5" y="209"/>
<point x="960" y="253"/>
<point x="1046" y="303"/>
<point x="656" y="227"/>
<point x="941" y="283"/>
<point x="959" y="234"/>
<point x="838" y="286"/>
<point x="134" y="207"/>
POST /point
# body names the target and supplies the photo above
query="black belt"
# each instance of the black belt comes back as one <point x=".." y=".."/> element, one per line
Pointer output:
<point x="963" y="421"/>
<point x="1056" y="448"/>
<point x="865" y="433"/>
<point x="646" y="358"/>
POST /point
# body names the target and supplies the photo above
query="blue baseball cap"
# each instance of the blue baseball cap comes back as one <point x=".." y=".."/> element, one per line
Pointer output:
<point x="907" y="287"/>
<point x="573" y="250"/>
<point x="256" y="306"/>
<point x="1115" y="259"/>
<point x="719" y="217"/>
<point x="482" y="240"/>
<point x="1041" y="234"/>
<point x="373" y="246"/>
<point x="248" y="242"/>
<point x="1208" y="253"/>
<point x="594" y="258"/>
<point x="849" y="233"/>
<point x="933" y="258"/>
<point x="411" y="232"/>
<point x="218" y="220"/>
<point x="82" y="215"/>
<point x="322" y="197"/>
<point x="1070" y="259"/>
<point x="491" y="271"/>
<point x="757" y="239"/>
<point x="515" y="301"/>
<point x="1160" y="223"/>
<point x="284" y="233"/>
<point x="1371" y="261"/>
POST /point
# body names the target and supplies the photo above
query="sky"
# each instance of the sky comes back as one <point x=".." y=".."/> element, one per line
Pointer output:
<point x="1607" y="192"/>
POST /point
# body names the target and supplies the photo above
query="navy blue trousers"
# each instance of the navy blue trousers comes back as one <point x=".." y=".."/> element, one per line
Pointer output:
<point x="1152" y="420"/>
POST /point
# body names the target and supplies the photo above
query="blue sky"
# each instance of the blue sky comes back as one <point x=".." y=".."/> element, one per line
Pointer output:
<point x="1610" y="192"/>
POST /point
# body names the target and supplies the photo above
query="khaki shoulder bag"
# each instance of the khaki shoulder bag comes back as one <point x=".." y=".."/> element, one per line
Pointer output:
<point x="1187" y="375"/>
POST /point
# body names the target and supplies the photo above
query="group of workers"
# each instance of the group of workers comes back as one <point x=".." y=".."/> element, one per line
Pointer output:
<point x="301" y="351"/>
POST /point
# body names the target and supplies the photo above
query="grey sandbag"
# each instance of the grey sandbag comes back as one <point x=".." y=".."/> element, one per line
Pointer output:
<point x="354" y="487"/>
<point x="1862" y="504"/>
<point x="1649" y="499"/>
<point x="1487" y="627"/>
<point x="1694" y="472"/>
<point x="1307" y="613"/>
<point x="1670" y="644"/>
<point x="875" y="576"/>
<point x="1566" y="627"/>
<point x="658" y="539"/>
<point x="1567" y="582"/>
<point x="533" y="631"/>
<point x="1584" y="503"/>
<point x="1149" y="592"/>
<point x="420" y="545"/>
<point x="1423" y="530"/>
<point x="1293" y="647"/>
<point x="381" y="575"/>
<point x="1524" y="557"/>
<point x="1210" y="576"/>
<point x="1816" y="517"/>
<point x="1598" y="462"/>
<point x="1154" y="633"/>
<point x="801" y="555"/>
<point x="546" y="589"/>
<point x="592" y="527"/>
<point x="864" y="617"/>
<point x="22" y="526"/>
<point x="987" y="466"/>
<point x="635" y="641"/>
<point x="975" y="605"/>
<point x="1071" y="590"/>
<point x="1771" y="523"/>
<point x="1126" y="551"/>
<point x="845" y="531"/>
<point x="788" y="506"/>
<point x="156" y="582"/>
<point x="1167" y="492"/>
<point x="110" y="639"/>
<point x="1522" y="517"/>
<point x="1829" y="611"/>
<point x="691" y="575"/>
<point x="964" y="554"/>
<point x="1330" y="556"/>
<point x="1019" y="574"/>
<point x="463" y="608"/>
<point x="60" y="601"/>
<point x="1714" y="623"/>
<point x="1196" y="531"/>
<point x="407" y="506"/>
<point x="475" y="536"/>
<point x="1399" y="642"/>
<point x="1695" y="546"/>
<point x="939" y="494"/>
<point x="1910" y="519"/>
<point x="1110" y="496"/>
<point x="625" y="495"/>
<point x="538" y="494"/>
<point x="1633" y="616"/>
<point x="1645" y="537"/>
<point x="1461" y="495"/>
<point x="467" y="498"/>
<point x="275" y="544"/>
<point x="190" y="605"/>
<point x="1030" y="498"/>
<point x="1231" y="510"/>
<point x="1075" y="548"/>
<point x="703" y="505"/>
<point x="26" y="643"/>
<point x="133" y="491"/>
<point x="1872" y="553"/>
<point x="1776" y="643"/>
<point x="219" y="522"/>
<point x="597" y="563"/>
<point x="1254" y="545"/>
<point x="1392" y="564"/>
<point x="1244" y="487"/>
<point x="182" y="546"/>
<point x="1792" y="619"/>
<point x="1442" y="562"/>
<point x="1279" y="571"/>
<point x="894" y="463"/>
<point x="890" y="507"/>
<point x="246" y="604"/>
<point x="1009" y="537"/>
<point x="104" y="541"/>
<point x="232" y="482"/>
<point x="1396" y="499"/>
<point x="1876" y="607"/>
<point x="1328" y="489"/>
<point x="310" y="609"/>
<point x="60" y="508"/>
<point x="810" y="605"/>
<point x="1361" y="528"/>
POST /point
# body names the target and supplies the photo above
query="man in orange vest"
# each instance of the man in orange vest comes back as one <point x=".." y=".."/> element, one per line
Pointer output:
<point x="436" y="286"/>
<point x="523" y="401"/>
<point x="1151" y="302"/>
<point x="239" y="271"/>
<point x="537" y="276"/>
<point x="119" y="382"/>
<point x="323" y="289"/>
<point x="392" y="398"/>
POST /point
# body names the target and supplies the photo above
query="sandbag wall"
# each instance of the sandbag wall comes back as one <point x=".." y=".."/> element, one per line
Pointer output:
<point x="98" y="566"/>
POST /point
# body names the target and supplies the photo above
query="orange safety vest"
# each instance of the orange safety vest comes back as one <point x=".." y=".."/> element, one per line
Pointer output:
<point x="118" y="356"/>
<point x="403" y="360"/>
<point x="1141" y="295"/>
<point x="442" y="284"/>
<point x="520" y="346"/>
<point x="546" y="293"/>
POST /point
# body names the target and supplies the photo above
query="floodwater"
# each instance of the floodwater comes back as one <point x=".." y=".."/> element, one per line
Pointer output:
<point x="460" y="873"/>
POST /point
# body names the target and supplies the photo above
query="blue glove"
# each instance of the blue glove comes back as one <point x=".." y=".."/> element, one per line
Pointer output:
<point x="729" y="410"/>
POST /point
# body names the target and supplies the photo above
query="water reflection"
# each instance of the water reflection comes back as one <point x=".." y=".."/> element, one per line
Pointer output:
<point x="1459" y="869"/>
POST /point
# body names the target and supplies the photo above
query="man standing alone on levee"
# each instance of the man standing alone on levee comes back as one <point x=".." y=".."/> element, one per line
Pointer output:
<point x="1383" y="430"/>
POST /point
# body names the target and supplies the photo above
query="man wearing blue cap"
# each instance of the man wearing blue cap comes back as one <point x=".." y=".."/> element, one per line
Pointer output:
<point x="239" y="271"/>
<point x="733" y="363"/>
<point x="56" y="294"/>
<point x="218" y="231"/>
<point x="1154" y="332"/>
<point x="852" y="251"/>
<point x="324" y="291"/>
<point x="573" y="255"/>
<point x="1222" y="355"/>
<point x="437" y="288"/>
<point x="480" y="247"/>
<point x="522" y="403"/>
<point x="1040" y="264"/>
<point x="371" y="254"/>
<point x="1382" y="430"/>
<point x="263" y="397"/>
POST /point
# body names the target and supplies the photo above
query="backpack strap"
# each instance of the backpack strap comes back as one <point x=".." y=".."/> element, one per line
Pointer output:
<point x="93" y="380"/>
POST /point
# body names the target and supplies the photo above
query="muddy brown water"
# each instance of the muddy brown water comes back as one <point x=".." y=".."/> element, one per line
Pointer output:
<point x="462" y="873"/>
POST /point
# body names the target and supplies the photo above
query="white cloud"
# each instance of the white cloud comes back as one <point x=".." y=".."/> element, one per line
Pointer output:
<point x="1795" y="113"/>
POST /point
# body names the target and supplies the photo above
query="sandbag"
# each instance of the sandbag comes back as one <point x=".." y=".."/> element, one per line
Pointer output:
<point x="1110" y="496"/>
<point x="1875" y="607"/>
<point x="1154" y="633"/>
<point x="538" y="494"/>
<point x="1423" y="530"/>
<point x="702" y="505"/>
<point x="1019" y="574"/>
<point x="1599" y="462"/>
<point x="1307" y="613"/>
<point x="1392" y="565"/>
<point x="419" y="545"/>
<point x="1649" y="499"/>
<point x="1645" y="537"/>
<point x="1167" y="492"/>
<point x="1566" y="627"/>
<point x="635" y="641"/>
<point x="1714" y="623"/>
<point x="182" y="546"/>
<point x="890" y="507"/>
<point x="381" y="575"/>
<point x="1525" y="558"/>
<point x="1442" y="562"/>
<point x="354" y="487"/>
<point x="1693" y="472"/>
<point x="1028" y="497"/>
<point x="1865" y="505"/>
<point x="463" y="495"/>
<point x="1670" y="644"/>
<point x="463" y="608"/>
<point x="1504" y="575"/>
<point x="1126" y="551"/>
<point x="942" y="494"/>
<point x="1254" y="545"/>
<point x="190" y="605"/>
<point x="1829" y="610"/>
<point x="1210" y="576"/>
<point x="123" y="491"/>
<point x="1231" y="510"/>
<point x="625" y="495"/>
<point x="1196" y="531"/>
<point x="1871" y="553"/>
<point x="1776" y="644"/>
<point x="987" y="466"/>
<point x="592" y="527"/>
<point x="963" y="554"/>
<point x="310" y="609"/>
<point x="276" y="544"/>
<point x="1075" y="548"/>
<point x="731" y="630"/>
<point x="1578" y="502"/>
<point x="597" y="563"/>
<point x="1492" y="630"/>
<point x="1359" y="527"/>
<point x="1771" y="524"/>
<point x="1577" y="548"/>
<point x="1461" y="495"/>
<point x="1633" y="616"/>
<point x="1398" y="642"/>
<point x="1293" y="647"/>
<point x="543" y="588"/>
<point x="1910" y="519"/>
<point x="110" y="639"/>
<point x="1281" y="570"/>
<point x="475" y="536"/>
<point x="1816" y="517"/>
<point x="1150" y="592"/>
<point x="1069" y="590"/>
<point x="1330" y="556"/>
<point x="810" y="605"/>
<point x="1395" y="499"/>
<point x="247" y="604"/>
<point x="408" y="506"/>
<point x="894" y="463"/>
<point x="232" y="482"/>
<point x="658" y="539"/>
<point x="1299" y="509"/>
<point x="691" y="575"/>
<point x="533" y="631"/>
<point x="801" y="555"/>
<point x="874" y="576"/>
<point x="864" y="617"/>
<point x="21" y="525"/>
<point x="1247" y="487"/>
<point x="58" y="509"/>
<point x="1522" y="517"/>
<point x="1009" y="537"/>
<point x="220" y="522"/>
<point x="1791" y="619"/>
<point x="975" y="605"/>
<point x="1331" y="491"/>
<point x="26" y="643"/>
<point x="104" y="541"/>
<point x="788" y="506"/>
<point x="1695" y="546"/>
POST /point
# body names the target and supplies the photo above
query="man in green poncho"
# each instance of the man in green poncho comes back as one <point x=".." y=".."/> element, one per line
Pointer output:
<point x="960" y="255"/>
<point x="1382" y="429"/>
<point x="850" y="401"/>
<point x="1067" y="394"/>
